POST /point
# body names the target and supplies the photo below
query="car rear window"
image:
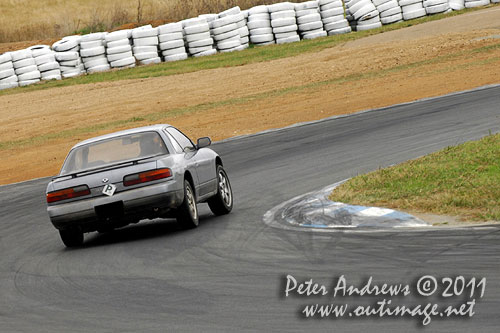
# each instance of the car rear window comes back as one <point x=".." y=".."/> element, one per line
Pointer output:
<point x="111" y="151"/>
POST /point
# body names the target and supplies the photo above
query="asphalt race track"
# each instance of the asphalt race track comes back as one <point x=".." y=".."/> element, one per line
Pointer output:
<point x="228" y="274"/>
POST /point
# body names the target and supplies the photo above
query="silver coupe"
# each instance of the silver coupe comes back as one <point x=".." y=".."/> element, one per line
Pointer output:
<point x="144" y="173"/>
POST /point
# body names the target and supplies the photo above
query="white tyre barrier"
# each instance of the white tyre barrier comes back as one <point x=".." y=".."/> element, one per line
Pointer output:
<point x="119" y="49"/>
<point x="6" y="65"/>
<point x="205" y="53"/>
<point x="50" y="66"/>
<point x="28" y="82"/>
<point x="146" y="44"/>
<point x="144" y="49"/>
<point x="284" y="22"/>
<point x="478" y="3"/>
<point x="390" y="10"/>
<point x="457" y="4"/>
<point x="24" y="62"/>
<point x="118" y="56"/>
<point x="176" y="57"/>
<point x="168" y="37"/>
<point x="33" y="75"/>
<point x="172" y="52"/>
<point x="151" y="61"/>
<point x="259" y="26"/>
<point x="261" y="39"/>
<point x="199" y="43"/>
<point x="170" y="28"/>
<point x="26" y="69"/>
<point x="7" y="73"/>
<point x="332" y="15"/>
<point x="20" y="55"/>
<point x="100" y="68"/>
<point x="125" y="62"/>
<point x="92" y="52"/>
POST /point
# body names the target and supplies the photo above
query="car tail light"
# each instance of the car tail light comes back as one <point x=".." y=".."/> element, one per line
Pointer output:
<point x="68" y="193"/>
<point x="147" y="176"/>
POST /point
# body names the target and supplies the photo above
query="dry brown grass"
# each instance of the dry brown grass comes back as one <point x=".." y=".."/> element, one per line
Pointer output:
<point x="22" y="20"/>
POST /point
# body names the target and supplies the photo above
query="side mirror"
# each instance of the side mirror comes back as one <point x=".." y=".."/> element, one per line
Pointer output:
<point x="203" y="142"/>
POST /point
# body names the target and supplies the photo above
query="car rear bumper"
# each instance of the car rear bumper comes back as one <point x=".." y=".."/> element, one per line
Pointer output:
<point x="144" y="202"/>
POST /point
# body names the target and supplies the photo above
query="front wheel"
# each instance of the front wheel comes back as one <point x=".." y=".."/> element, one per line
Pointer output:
<point x="71" y="237"/>
<point x="187" y="213"/>
<point x="222" y="202"/>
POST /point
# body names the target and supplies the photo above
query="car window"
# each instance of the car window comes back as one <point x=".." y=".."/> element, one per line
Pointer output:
<point x="114" y="150"/>
<point x="181" y="139"/>
<point x="177" y="146"/>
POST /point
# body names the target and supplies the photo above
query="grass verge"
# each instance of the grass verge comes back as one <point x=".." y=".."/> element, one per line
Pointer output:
<point x="249" y="56"/>
<point x="462" y="180"/>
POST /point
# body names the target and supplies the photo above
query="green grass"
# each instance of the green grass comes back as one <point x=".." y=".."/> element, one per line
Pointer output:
<point x="249" y="56"/>
<point x="463" y="181"/>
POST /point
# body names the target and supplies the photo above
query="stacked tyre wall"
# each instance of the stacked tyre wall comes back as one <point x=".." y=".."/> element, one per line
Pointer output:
<point x="231" y="30"/>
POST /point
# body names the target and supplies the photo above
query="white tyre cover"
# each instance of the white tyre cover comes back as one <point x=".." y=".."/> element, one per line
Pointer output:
<point x="20" y="55"/>
<point x="67" y="56"/>
<point x="65" y="45"/>
<point x="146" y="41"/>
<point x="473" y="4"/>
<point x="96" y="62"/>
<point x="92" y="52"/>
<point x="119" y="56"/>
<point x="258" y="39"/>
<point x="7" y="73"/>
<point x="370" y="21"/>
<point x="305" y="12"/>
<point x="266" y="43"/>
<point x="364" y="11"/>
<point x="197" y="29"/>
<point x="117" y="43"/>
<point x="333" y="19"/>
<point x="224" y="29"/>
<point x="9" y="79"/>
<point x="230" y="11"/>
<point x="170" y="28"/>
<point x="24" y="63"/>
<point x="25" y="83"/>
<point x="222" y="22"/>
<point x="391" y="12"/>
<point x="244" y="40"/>
<point x="259" y="17"/>
<point x="150" y="61"/>
<point x="377" y="3"/>
<point x="29" y="76"/>
<point x="49" y="74"/>
<point x="369" y="26"/>
<point x="70" y="74"/>
<point x="282" y="14"/>
<point x="286" y="28"/>
<point x="101" y="68"/>
<point x="50" y="66"/>
<point x="437" y="9"/>
<point x="200" y="43"/>
<point x="258" y="10"/>
<point x="119" y="49"/>
<point x="144" y="49"/>
<point x="244" y="32"/>
<point x="8" y="85"/>
<point x="331" y="5"/>
<point x="50" y="57"/>
<point x="170" y="37"/>
<point x="206" y="53"/>
<point x="91" y="44"/>
<point x="227" y="35"/>
<point x="147" y="55"/>
<point x="309" y="18"/>
<point x="414" y="15"/>
<point x="403" y="3"/>
<point x="6" y="57"/>
<point x="430" y="3"/>
<point x="176" y="57"/>
<point x="195" y="50"/>
<point x="336" y="25"/>
<point x="92" y="37"/>
<point x="278" y="7"/>
<point x="195" y="37"/>
<point x="123" y="62"/>
<point x="292" y="39"/>
<point x="174" y="51"/>
<point x="262" y="31"/>
<point x="323" y="3"/>
<point x="392" y="19"/>
<point x="413" y="7"/>
<point x="332" y="12"/>
<point x="311" y="26"/>
<point x="285" y="35"/>
<point x="283" y="22"/>
<point x="40" y="50"/>
<point x="6" y="65"/>
<point x="144" y="33"/>
<point x="339" y="31"/>
<point x="171" y="45"/>
<point x="229" y="45"/>
<point x="116" y="36"/>
<point x="457" y="4"/>
<point x="315" y="35"/>
<point x="258" y="25"/>
<point x="356" y="5"/>
<point x="390" y="4"/>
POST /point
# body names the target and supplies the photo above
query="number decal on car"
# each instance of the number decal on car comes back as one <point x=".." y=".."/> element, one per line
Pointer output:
<point x="109" y="189"/>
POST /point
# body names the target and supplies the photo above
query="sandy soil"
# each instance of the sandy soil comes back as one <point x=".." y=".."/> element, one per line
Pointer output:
<point x="400" y="66"/>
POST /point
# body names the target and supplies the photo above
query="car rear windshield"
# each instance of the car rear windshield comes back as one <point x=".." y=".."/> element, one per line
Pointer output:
<point x="113" y="151"/>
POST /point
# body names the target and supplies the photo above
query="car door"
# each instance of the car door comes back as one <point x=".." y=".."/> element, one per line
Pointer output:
<point x="202" y="161"/>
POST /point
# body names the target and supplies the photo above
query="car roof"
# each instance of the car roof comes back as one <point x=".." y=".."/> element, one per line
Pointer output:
<point x="157" y="127"/>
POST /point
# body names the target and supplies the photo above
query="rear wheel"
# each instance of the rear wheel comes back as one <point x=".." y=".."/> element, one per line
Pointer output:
<point x="222" y="202"/>
<point x="187" y="213"/>
<point x="71" y="237"/>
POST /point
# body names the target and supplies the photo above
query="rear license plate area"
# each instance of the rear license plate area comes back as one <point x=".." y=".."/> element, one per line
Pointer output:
<point x="109" y="211"/>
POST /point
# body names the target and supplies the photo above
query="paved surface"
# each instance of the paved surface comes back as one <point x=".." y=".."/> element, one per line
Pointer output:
<point x="228" y="275"/>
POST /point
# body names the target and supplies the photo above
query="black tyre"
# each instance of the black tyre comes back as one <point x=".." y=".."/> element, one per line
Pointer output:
<point x="71" y="237"/>
<point x="222" y="202"/>
<point x="187" y="213"/>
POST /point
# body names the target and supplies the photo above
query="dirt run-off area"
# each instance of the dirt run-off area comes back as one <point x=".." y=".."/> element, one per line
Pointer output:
<point x="457" y="53"/>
